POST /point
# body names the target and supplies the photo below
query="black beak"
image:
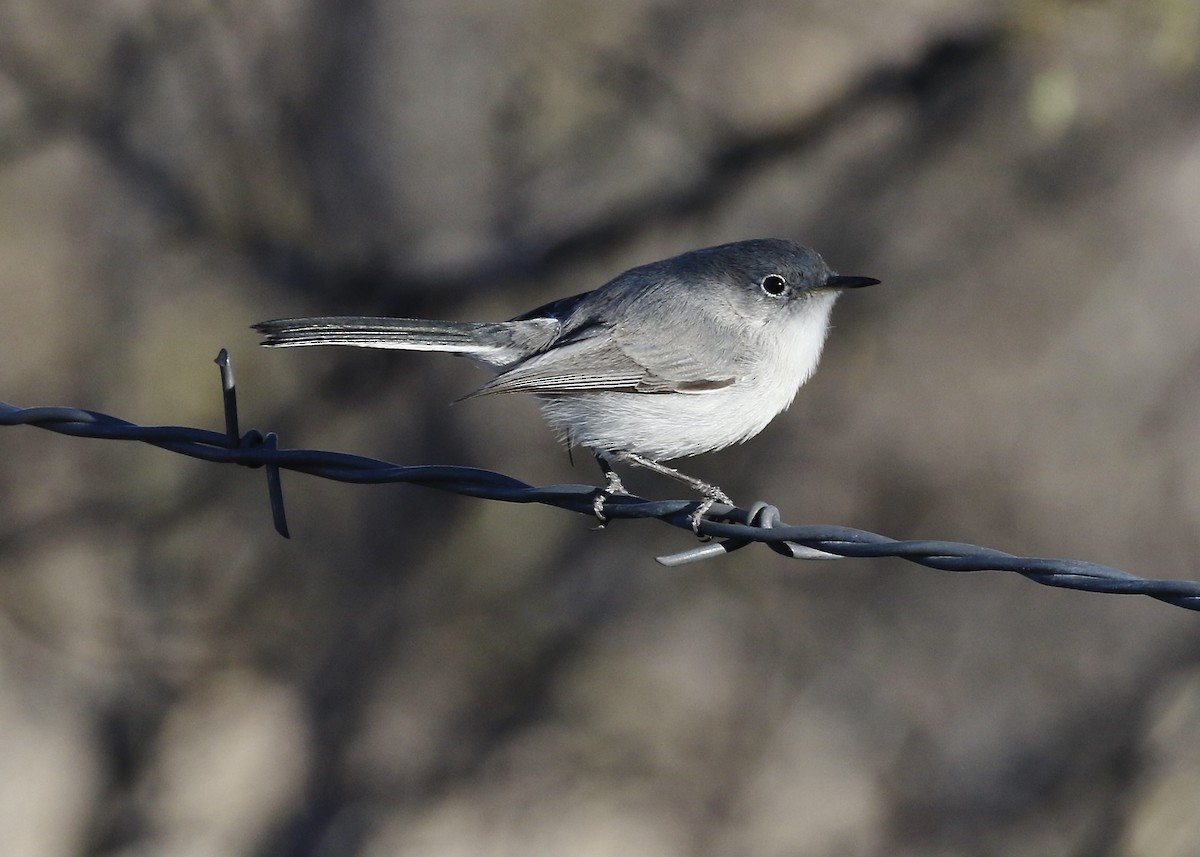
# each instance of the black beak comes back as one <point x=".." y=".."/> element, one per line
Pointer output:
<point x="843" y="281"/>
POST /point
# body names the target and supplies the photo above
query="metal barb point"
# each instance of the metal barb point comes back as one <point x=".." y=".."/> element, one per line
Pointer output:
<point x="710" y="549"/>
<point x="229" y="395"/>
<point x="275" y="489"/>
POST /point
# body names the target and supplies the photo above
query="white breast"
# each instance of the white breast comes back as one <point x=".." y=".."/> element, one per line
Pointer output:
<point x="663" y="426"/>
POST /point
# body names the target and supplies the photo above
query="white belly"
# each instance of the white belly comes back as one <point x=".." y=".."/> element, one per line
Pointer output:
<point x="663" y="426"/>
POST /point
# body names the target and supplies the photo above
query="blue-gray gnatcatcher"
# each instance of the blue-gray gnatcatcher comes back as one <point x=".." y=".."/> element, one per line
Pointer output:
<point x="671" y="359"/>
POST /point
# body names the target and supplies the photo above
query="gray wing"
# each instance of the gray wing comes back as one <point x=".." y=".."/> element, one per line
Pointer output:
<point x="598" y="358"/>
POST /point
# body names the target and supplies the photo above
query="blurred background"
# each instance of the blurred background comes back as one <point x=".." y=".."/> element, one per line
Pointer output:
<point x="419" y="674"/>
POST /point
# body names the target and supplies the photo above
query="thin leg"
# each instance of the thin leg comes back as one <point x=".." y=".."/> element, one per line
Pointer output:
<point x="712" y="494"/>
<point x="707" y="489"/>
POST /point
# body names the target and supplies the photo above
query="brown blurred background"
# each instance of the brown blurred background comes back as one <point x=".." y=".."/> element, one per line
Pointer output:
<point x="418" y="674"/>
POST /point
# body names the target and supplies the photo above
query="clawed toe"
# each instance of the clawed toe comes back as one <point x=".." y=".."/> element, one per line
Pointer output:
<point x="715" y="495"/>
<point x="612" y="485"/>
<point x="698" y="516"/>
<point x="598" y="508"/>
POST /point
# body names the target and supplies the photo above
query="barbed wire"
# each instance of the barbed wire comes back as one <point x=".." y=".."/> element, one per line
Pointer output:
<point x="728" y="528"/>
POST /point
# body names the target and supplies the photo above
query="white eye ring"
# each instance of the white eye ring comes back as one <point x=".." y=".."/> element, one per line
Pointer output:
<point x="773" y="285"/>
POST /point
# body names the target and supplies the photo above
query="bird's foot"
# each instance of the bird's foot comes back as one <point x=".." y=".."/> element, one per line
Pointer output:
<point x="713" y="495"/>
<point x="612" y="485"/>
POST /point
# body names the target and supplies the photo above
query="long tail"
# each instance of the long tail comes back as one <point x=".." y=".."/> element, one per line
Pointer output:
<point x="409" y="334"/>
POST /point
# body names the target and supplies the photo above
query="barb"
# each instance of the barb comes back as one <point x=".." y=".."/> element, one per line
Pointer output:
<point x="735" y="528"/>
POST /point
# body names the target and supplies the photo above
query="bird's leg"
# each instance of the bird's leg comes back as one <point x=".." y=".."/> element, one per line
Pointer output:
<point x="612" y="485"/>
<point x="712" y="494"/>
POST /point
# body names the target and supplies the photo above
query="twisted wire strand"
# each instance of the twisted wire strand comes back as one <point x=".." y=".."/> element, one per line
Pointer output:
<point x="731" y="528"/>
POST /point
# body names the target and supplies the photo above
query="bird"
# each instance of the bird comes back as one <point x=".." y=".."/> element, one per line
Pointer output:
<point x="668" y="360"/>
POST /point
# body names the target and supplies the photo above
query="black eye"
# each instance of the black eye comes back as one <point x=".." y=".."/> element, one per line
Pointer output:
<point x="774" y="285"/>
